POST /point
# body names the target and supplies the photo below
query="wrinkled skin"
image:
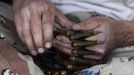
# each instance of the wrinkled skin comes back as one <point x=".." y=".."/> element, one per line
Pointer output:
<point x="17" y="65"/>
<point x="107" y="28"/>
<point x="34" y="23"/>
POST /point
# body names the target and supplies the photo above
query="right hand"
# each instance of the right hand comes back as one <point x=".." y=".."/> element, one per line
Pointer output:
<point x="107" y="34"/>
<point x="34" y="23"/>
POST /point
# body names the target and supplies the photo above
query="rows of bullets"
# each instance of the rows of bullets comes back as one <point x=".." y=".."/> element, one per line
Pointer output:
<point x="79" y="45"/>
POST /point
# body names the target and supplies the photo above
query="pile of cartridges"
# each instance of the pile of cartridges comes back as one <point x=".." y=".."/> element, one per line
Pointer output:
<point x="79" y="44"/>
<point x="56" y="65"/>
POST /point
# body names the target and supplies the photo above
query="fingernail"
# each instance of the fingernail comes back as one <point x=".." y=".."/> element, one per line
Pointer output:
<point x="33" y="52"/>
<point x="102" y="41"/>
<point x="12" y="73"/>
<point x="17" y="74"/>
<point x="41" y="50"/>
<point x="48" y="45"/>
<point x="58" y="38"/>
<point x="98" y="32"/>
<point x="54" y="41"/>
<point x="76" y="26"/>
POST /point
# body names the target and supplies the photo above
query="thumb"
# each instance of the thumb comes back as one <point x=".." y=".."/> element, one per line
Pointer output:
<point x="86" y="25"/>
<point x="62" y="20"/>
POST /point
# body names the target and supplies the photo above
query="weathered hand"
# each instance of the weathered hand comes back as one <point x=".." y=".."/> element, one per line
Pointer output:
<point x="34" y="23"/>
<point x="105" y="30"/>
<point x="63" y="44"/>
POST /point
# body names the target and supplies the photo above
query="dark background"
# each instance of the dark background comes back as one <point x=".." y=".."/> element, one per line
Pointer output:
<point x="7" y="1"/>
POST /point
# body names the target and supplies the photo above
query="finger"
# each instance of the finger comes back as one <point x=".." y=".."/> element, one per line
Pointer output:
<point x="60" y="43"/>
<point x="95" y="57"/>
<point x="62" y="20"/>
<point x="98" y="48"/>
<point x="37" y="31"/>
<point x="26" y="31"/>
<point x="18" y="24"/>
<point x="63" y="49"/>
<point x="100" y="38"/>
<point x="47" y="22"/>
<point x="86" y="25"/>
<point x="63" y="39"/>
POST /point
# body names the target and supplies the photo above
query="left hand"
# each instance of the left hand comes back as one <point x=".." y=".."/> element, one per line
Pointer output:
<point x="107" y="37"/>
<point x="34" y="22"/>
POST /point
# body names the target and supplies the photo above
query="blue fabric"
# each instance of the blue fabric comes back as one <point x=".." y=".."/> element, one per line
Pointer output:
<point x="90" y="72"/>
<point x="87" y="72"/>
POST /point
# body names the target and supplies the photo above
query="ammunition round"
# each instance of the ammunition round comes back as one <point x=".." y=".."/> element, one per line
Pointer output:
<point x="63" y="73"/>
<point x="72" y="58"/>
<point x="84" y="43"/>
<point x="69" y="67"/>
<point x="81" y="34"/>
<point x="74" y="52"/>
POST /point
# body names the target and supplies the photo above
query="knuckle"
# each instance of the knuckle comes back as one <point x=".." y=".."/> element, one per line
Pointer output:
<point x="33" y="4"/>
<point x="26" y="34"/>
<point x="25" y="12"/>
<point x="35" y="31"/>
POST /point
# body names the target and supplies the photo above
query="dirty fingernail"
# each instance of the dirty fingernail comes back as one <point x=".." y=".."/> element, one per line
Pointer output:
<point x="98" y="32"/>
<point x="102" y="42"/>
<point x="58" y="38"/>
<point x="76" y="26"/>
<point x="41" y="50"/>
<point x="48" y="45"/>
<point x="33" y="52"/>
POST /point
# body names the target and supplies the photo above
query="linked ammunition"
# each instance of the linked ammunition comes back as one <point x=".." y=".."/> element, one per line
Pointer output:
<point x="73" y="35"/>
<point x="63" y="73"/>
<point x="80" y="53"/>
<point x="81" y="34"/>
<point x="62" y="31"/>
<point x="84" y="43"/>
<point x="79" y="61"/>
<point x="78" y="48"/>
<point x="73" y="67"/>
<point x="55" y="73"/>
<point x="78" y="73"/>
<point x="48" y="73"/>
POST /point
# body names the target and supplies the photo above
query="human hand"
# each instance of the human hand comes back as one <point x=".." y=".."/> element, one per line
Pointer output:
<point x="105" y="33"/>
<point x="104" y="29"/>
<point x="34" y="23"/>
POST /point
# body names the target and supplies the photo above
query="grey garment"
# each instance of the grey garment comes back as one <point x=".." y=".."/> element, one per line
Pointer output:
<point x="6" y="11"/>
<point x="116" y="66"/>
<point x="123" y="52"/>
